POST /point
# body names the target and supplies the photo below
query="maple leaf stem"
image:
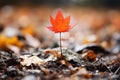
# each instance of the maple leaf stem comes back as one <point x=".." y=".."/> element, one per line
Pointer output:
<point x="60" y="43"/>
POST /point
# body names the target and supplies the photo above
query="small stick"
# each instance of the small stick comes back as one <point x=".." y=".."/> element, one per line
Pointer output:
<point x="117" y="70"/>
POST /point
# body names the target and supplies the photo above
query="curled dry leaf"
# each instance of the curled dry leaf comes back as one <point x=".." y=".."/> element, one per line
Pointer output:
<point x="27" y="61"/>
<point x="54" y="52"/>
<point x="89" y="55"/>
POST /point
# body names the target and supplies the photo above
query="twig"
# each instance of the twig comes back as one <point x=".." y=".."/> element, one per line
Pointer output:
<point x="117" y="70"/>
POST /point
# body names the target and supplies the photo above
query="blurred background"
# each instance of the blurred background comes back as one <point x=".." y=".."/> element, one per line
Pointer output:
<point x="102" y="3"/>
<point x="98" y="21"/>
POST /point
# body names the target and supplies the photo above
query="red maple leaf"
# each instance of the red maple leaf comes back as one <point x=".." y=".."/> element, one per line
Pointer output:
<point x="60" y="24"/>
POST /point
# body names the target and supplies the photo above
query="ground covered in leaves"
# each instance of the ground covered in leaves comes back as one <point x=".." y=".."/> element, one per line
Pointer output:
<point x="51" y="65"/>
<point x="30" y="54"/>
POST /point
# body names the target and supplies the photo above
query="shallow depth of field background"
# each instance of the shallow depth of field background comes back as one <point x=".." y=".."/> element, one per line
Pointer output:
<point x="93" y="17"/>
